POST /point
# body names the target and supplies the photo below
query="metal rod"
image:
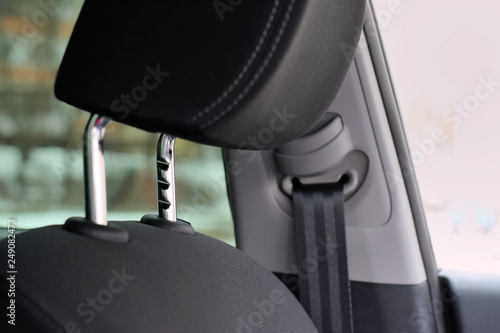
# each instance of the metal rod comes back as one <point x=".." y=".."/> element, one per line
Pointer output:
<point x="165" y="167"/>
<point x="95" y="171"/>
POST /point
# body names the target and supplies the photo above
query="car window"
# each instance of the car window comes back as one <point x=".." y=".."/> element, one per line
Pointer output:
<point x="444" y="61"/>
<point x="41" y="169"/>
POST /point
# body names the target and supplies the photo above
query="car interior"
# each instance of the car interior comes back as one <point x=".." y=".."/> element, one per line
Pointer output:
<point x="330" y="229"/>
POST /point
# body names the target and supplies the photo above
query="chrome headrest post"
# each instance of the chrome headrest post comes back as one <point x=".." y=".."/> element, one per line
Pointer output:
<point x="95" y="171"/>
<point x="167" y="208"/>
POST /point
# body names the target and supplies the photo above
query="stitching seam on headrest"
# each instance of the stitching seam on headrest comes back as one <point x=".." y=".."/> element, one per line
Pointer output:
<point x="247" y="65"/>
<point x="259" y="72"/>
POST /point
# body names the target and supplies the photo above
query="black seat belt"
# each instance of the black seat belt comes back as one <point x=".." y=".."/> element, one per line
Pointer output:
<point x="320" y="239"/>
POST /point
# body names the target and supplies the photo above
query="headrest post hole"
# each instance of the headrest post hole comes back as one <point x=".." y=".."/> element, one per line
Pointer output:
<point x="165" y="167"/>
<point x="94" y="169"/>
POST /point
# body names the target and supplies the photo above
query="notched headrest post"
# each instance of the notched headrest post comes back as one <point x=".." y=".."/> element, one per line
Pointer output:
<point x="165" y="167"/>
<point x="95" y="170"/>
<point x="165" y="177"/>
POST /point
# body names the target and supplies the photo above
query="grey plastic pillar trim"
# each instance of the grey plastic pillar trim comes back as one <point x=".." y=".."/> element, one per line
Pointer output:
<point x="382" y="243"/>
<point x="323" y="156"/>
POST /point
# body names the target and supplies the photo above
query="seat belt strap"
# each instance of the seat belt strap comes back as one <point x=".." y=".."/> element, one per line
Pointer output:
<point x="320" y="239"/>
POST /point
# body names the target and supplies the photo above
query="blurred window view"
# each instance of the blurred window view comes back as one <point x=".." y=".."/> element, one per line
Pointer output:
<point x="444" y="61"/>
<point x="41" y="168"/>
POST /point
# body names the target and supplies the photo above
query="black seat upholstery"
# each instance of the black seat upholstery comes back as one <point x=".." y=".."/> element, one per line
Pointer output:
<point x="206" y="74"/>
<point x="159" y="281"/>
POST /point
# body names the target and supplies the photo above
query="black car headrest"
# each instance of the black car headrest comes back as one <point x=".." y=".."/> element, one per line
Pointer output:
<point x="235" y="74"/>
